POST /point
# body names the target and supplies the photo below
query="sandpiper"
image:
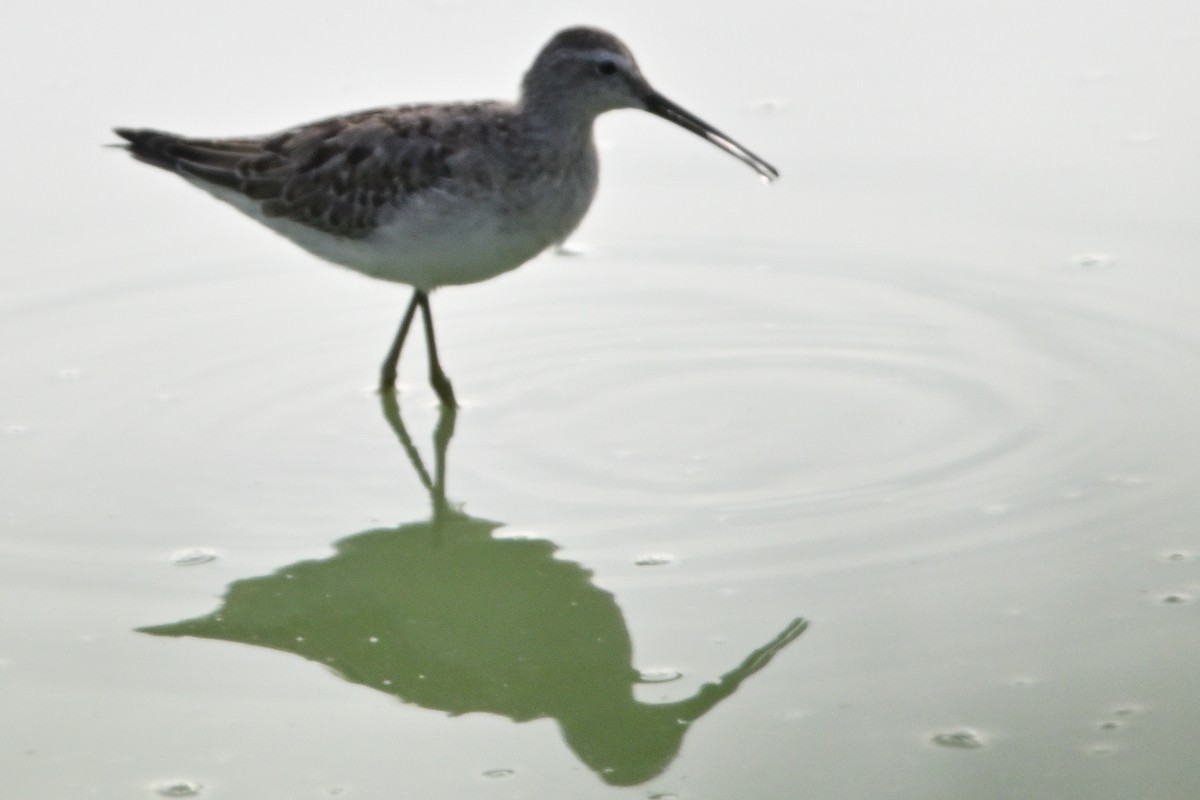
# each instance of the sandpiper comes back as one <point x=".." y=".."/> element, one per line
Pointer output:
<point x="436" y="194"/>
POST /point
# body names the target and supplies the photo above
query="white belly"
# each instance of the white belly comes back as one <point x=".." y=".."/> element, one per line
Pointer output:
<point x="444" y="238"/>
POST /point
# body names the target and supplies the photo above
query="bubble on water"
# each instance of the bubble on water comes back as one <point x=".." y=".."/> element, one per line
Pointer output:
<point x="770" y="105"/>
<point x="662" y="796"/>
<point x="1176" y="598"/>
<point x="1024" y="682"/>
<point x="1127" y="710"/>
<point x="1109" y="725"/>
<point x="373" y="639"/>
<point x="178" y="788"/>
<point x="659" y="675"/>
<point x="654" y="559"/>
<point x="15" y="429"/>
<point x="499" y="773"/>
<point x="516" y="535"/>
<point x="1101" y="750"/>
<point x="1093" y="260"/>
<point x="1178" y="555"/>
<point x="193" y="556"/>
<point x="569" y="249"/>
<point x="1141" y="138"/>
<point x="961" y="739"/>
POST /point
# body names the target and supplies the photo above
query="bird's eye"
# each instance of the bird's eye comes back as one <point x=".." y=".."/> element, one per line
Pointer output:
<point x="606" y="67"/>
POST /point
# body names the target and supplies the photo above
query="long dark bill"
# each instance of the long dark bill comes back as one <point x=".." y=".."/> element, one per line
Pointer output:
<point x="657" y="104"/>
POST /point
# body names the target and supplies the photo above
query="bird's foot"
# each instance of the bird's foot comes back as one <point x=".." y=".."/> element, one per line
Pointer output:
<point x="441" y="385"/>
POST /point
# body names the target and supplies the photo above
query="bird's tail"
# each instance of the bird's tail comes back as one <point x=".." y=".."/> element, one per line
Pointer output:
<point x="152" y="147"/>
<point x="217" y="161"/>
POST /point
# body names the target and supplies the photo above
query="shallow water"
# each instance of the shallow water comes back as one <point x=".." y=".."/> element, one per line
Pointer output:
<point x="879" y="482"/>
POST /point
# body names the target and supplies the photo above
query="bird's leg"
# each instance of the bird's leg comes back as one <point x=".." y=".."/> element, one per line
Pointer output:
<point x="441" y="443"/>
<point x="391" y="412"/>
<point x="387" y="377"/>
<point x="437" y="378"/>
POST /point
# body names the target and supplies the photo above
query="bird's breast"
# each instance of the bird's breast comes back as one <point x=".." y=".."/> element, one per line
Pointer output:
<point x="467" y="232"/>
<point x="494" y="211"/>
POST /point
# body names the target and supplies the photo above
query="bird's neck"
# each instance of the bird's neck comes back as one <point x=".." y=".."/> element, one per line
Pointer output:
<point x="558" y="129"/>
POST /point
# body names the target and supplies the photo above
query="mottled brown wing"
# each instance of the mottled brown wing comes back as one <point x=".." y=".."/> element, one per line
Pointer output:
<point x="334" y="175"/>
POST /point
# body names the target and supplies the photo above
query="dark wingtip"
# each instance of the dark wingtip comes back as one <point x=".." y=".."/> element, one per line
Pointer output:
<point x="149" y="146"/>
<point x="141" y="138"/>
<point x="127" y="134"/>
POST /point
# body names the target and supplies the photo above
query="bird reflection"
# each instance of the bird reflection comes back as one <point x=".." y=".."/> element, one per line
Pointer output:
<point x="442" y="614"/>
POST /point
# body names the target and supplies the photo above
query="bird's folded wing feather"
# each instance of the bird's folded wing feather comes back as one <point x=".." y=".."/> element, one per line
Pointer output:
<point x="336" y="175"/>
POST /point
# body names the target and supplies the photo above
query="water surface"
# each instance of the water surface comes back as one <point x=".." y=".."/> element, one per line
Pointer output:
<point x="876" y="482"/>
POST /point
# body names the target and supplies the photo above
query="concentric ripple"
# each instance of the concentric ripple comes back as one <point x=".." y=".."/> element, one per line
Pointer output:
<point x="894" y="408"/>
<point x="739" y="404"/>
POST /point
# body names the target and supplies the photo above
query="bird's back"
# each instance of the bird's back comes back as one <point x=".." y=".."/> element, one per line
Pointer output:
<point x="423" y="194"/>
